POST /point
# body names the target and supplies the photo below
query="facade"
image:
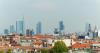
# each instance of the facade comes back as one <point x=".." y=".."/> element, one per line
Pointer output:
<point x="88" y="27"/>
<point x="21" y="44"/>
<point x="91" y="33"/>
<point x="12" y="29"/>
<point x="88" y="30"/>
<point x="29" y="32"/>
<point x="6" y="31"/>
<point x="20" y="26"/>
<point x="39" y="28"/>
<point x="95" y="32"/>
<point x="25" y="42"/>
<point x="56" y="31"/>
<point x="68" y="42"/>
<point x="61" y="26"/>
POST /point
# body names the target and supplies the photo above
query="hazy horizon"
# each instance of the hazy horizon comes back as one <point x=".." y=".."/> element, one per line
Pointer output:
<point x="74" y="13"/>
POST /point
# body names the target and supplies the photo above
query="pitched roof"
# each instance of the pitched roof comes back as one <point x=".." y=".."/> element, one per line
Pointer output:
<point x="78" y="45"/>
<point x="42" y="36"/>
<point x="37" y="43"/>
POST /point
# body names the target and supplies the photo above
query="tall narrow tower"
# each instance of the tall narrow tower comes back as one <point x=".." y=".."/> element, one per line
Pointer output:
<point x="88" y="27"/>
<point x="61" y="28"/>
<point x="12" y="29"/>
<point x="39" y="28"/>
<point x="20" y="26"/>
<point x="95" y="32"/>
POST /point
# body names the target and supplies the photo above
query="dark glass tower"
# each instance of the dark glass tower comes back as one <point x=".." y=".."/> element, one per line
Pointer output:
<point x="61" y="26"/>
<point x="88" y="27"/>
<point x="56" y="31"/>
<point x="29" y="32"/>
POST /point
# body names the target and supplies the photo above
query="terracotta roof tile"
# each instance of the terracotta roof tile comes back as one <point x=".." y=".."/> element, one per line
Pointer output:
<point x="37" y="43"/>
<point x="78" y="45"/>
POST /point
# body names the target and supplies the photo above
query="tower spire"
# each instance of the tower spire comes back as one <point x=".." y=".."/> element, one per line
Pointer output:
<point x="95" y="28"/>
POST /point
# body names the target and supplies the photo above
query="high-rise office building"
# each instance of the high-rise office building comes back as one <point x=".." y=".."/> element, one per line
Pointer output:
<point x="20" y="26"/>
<point x="91" y="33"/>
<point x="12" y="29"/>
<point x="56" y="31"/>
<point x="32" y="32"/>
<point x="29" y="32"/>
<point x="95" y="29"/>
<point x="95" y="32"/>
<point x="39" y="28"/>
<point x="88" y="27"/>
<point x="61" y="26"/>
<point x="6" y="31"/>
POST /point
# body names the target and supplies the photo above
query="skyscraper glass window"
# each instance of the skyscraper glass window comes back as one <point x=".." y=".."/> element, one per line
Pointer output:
<point x="38" y="28"/>
<point x="20" y="26"/>
<point x="61" y="26"/>
<point x="12" y="29"/>
<point x="6" y="31"/>
<point x="88" y="27"/>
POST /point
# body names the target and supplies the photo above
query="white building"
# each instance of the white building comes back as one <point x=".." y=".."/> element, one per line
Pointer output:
<point x="66" y="41"/>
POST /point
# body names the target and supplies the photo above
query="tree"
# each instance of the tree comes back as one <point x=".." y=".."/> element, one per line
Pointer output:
<point x="1" y="51"/>
<point x="9" y="51"/>
<point x="44" y="51"/>
<point x="20" y="34"/>
<point x="59" y="47"/>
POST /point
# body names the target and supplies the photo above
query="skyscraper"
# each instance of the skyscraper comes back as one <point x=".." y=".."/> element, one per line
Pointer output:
<point x="39" y="28"/>
<point x="20" y="26"/>
<point x="29" y="32"/>
<point x="6" y="31"/>
<point x="88" y="27"/>
<point x="61" y="26"/>
<point x="56" y="31"/>
<point x="88" y="30"/>
<point x="95" y="32"/>
<point x="95" y="29"/>
<point x="32" y="32"/>
<point x="12" y="29"/>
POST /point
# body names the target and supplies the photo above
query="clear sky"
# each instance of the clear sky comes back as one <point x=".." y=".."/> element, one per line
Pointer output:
<point x="74" y="13"/>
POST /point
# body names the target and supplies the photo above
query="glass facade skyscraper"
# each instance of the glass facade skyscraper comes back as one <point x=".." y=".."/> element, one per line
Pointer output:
<point x="95" y="32"/>
<point x="6" y="31"/>
<point x="56" y="31"/>
<point x="12" y="29"/>
<point x="61" y="26"/>
<point x="29" y="32"/>
<point x="88" y="30"/>
<point x="39" y="28"/>
<point x="88" y="27"/>
<point x="20" y="26"/>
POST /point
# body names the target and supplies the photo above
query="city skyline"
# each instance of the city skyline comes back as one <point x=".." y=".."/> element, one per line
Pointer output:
<point x="74" y="13"/>
<point x="42" y="32"/>
<point x="19" y="28"/>
<point x="49" y="26"/>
